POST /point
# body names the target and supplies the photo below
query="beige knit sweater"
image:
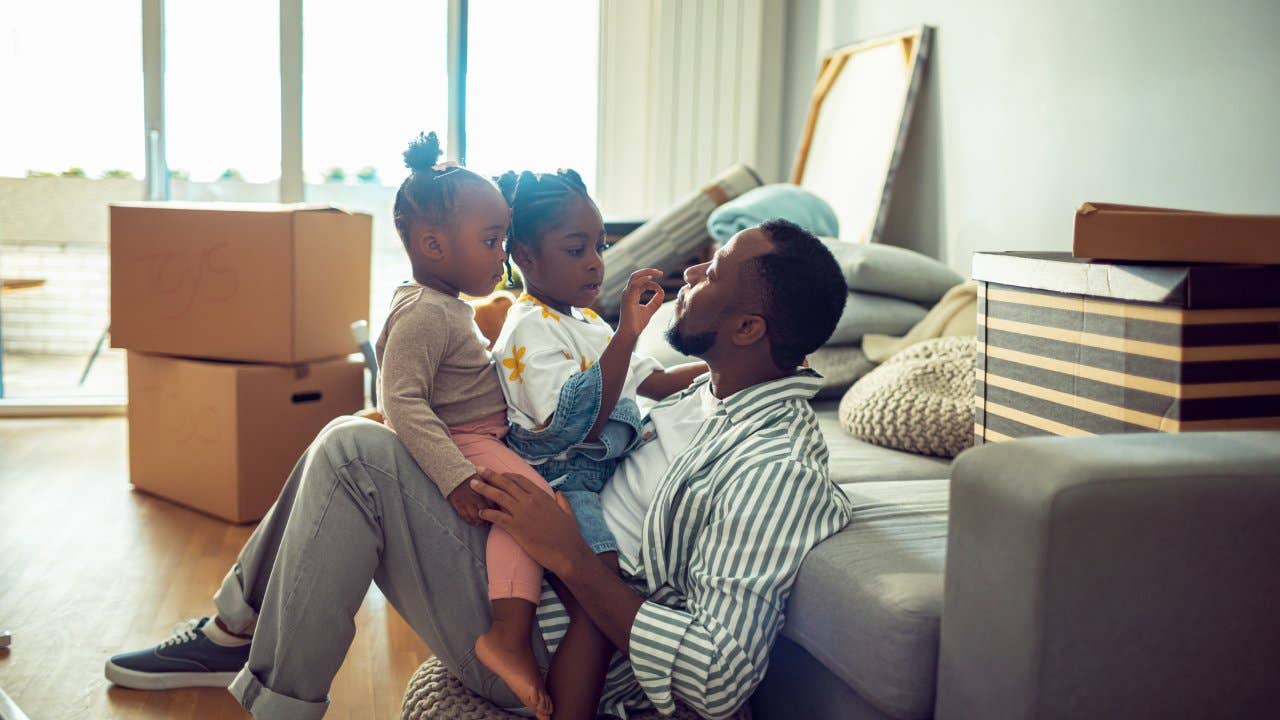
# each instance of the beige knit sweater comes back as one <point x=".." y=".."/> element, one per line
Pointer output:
<point x="434" y="371"/>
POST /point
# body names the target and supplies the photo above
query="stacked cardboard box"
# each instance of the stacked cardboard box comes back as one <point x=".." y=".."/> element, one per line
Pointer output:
<point x="237" y="321"/>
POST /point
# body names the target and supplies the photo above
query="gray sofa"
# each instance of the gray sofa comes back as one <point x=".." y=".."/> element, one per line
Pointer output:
<point x="1112" y="576"/>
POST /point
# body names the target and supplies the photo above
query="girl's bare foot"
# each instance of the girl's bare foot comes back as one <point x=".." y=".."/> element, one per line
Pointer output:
<point x="507" y="652"/>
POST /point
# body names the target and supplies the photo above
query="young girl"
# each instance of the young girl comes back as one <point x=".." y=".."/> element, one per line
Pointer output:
<point x="571" y="382"/>
<point x="439" y="391"/>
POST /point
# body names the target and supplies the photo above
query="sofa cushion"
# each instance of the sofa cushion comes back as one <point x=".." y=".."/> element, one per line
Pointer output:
<point x="867" y="602"/>
<point x="852" y="460"/>
<point x="890" y="270"/>
<point x="866" y="314"/>
<point x="840" y="367"/>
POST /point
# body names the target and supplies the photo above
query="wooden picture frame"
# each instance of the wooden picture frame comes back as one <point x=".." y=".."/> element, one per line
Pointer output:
<point x="857" y="127"/>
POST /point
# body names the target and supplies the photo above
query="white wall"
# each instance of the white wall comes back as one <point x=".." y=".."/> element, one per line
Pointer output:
<point x="1031" y="107"/>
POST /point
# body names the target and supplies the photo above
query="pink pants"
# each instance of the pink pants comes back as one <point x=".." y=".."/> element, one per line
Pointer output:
<point x="512" y="573"/>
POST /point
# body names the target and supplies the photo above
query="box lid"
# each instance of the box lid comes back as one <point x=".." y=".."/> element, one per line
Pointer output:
<point x="1129" y="233"/>
<point x="1184" y="285"/>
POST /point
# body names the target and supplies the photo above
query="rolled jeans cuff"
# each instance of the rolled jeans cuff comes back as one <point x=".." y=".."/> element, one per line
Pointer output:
<point x="604" y="546"/>
<point x="262" y="702"/>
<point x="232" y="608"/>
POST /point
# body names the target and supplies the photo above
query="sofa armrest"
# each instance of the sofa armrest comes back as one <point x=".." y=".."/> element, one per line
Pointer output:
<point x="1114" y="576"/>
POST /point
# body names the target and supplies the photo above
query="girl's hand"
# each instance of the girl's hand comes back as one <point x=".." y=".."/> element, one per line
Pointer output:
<point x="636" y="315"/>
<point x="467" y="502"/>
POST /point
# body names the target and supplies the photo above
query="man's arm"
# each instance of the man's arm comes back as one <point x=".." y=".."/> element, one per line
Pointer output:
<point x="713" y="653"/>
<point x="547" y="530"/>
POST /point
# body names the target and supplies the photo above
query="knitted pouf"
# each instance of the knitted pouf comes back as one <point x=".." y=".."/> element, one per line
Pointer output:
<point x="920" y="400"/>
<point x="434" y="694"/>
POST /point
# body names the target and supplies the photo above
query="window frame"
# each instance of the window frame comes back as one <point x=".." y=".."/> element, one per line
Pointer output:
<point x="292" y="181"/>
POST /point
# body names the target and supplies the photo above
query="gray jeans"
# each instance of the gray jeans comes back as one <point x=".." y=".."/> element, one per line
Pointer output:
<point x="357" y="508"/>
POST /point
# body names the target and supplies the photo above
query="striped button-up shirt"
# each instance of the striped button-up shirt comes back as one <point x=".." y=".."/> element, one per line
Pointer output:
<point x="729" y="525"/>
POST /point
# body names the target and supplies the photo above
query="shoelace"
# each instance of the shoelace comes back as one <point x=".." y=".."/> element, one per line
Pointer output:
<point x="182" y="632"/>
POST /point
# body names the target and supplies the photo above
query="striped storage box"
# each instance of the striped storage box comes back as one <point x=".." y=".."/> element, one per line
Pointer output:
<point x="1072" y="347"/>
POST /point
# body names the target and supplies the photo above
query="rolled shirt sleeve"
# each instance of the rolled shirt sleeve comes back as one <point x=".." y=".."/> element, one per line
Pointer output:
<point x="714" y="652"/>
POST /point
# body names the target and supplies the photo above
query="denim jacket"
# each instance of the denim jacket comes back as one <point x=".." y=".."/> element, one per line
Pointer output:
<point x="561" y="448"/>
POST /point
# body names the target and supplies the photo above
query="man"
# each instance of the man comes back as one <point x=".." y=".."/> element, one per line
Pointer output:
<point x="713" y="515"/>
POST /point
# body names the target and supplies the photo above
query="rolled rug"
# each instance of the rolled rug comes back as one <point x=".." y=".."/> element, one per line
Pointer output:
<point x="666" y="241"/>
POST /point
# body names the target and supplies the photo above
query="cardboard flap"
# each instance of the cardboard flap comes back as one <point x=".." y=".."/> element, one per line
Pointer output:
<point x="1089" y="208"/>
<point x="239" y="207"/>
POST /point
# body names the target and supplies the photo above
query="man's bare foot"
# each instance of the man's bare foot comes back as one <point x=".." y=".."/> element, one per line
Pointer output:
<point x="510" y="657"/>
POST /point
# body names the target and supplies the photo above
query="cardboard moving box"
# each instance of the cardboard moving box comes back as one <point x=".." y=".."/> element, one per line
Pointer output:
<point x="1129" y="232"/>
<point x="222" y="437"/>
<point x="256" y="282"/>
<point x="1069" y="347"/>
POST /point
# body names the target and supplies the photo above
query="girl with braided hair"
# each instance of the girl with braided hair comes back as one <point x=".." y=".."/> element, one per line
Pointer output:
<point x="438" y="389"/>
<point x="571" y="383"/>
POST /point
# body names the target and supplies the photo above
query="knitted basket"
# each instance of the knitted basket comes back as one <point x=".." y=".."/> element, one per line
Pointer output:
<point x="434" y="694"/>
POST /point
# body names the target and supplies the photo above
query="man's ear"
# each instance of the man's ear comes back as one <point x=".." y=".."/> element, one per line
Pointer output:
<point x="429" y="244"/>
<point x="749" y="330"/>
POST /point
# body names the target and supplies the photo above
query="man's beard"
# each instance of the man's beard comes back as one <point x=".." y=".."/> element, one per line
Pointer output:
<point x="696" y="344"/>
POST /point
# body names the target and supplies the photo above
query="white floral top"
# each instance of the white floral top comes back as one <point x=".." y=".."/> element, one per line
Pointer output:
<point x="540" y="348"/>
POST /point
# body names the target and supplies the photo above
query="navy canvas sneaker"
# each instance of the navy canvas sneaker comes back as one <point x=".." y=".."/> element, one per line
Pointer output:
<point x="188" y="659"/>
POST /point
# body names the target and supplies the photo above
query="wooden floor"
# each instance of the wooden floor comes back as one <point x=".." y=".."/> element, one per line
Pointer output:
<point x="89" y="568"/>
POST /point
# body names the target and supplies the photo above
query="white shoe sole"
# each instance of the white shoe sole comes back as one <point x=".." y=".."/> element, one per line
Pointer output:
<point x="137" y="680"/>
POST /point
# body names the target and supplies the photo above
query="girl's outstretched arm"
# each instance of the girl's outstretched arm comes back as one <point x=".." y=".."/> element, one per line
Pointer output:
<point x="665" y="383"/>
<point x="616" y="359"/>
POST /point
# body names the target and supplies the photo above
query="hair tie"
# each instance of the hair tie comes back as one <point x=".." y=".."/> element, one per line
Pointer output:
<point x="441" y="167"/>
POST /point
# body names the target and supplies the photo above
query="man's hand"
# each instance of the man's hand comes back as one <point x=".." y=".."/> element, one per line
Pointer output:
<point x="467" y="502"/>
<point x="543" y="526"/>
<point x="635" y="315"/>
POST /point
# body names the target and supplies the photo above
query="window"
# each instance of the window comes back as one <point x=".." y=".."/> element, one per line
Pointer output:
<point x="74" y="138"/>
<point x="532" y="86"/>
<point x="71" y="141"/>
<point x="72" y="78"/>
<point x="372" y="80"/>
<point x="222" y="99"/>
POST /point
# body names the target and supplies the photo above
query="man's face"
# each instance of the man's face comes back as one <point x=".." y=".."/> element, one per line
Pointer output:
<point x="715" y="296"/>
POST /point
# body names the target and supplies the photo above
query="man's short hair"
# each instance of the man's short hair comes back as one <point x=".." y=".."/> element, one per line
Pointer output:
<point x="802" y="292"/>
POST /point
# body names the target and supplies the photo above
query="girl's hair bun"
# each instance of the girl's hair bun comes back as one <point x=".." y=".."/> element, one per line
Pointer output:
<point x="506" y="183"/>
<point x="423" y="152"/>
<point x="572" y="177"/>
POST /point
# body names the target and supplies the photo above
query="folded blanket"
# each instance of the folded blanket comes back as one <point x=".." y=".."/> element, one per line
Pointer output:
<point x="783" y="200"/>
<point x="955" y="314"/>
